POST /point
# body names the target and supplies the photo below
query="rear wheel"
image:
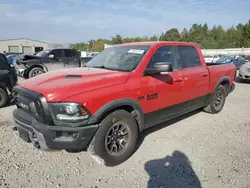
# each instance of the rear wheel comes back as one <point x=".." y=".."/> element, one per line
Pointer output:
<point x="218" y="100"/>
<point x="4" y="98"/>
<point x="115" y="140"/>
<point x="35" y="71"/>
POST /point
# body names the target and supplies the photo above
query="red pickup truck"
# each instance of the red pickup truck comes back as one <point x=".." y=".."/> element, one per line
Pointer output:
<point x="122" y="91"/>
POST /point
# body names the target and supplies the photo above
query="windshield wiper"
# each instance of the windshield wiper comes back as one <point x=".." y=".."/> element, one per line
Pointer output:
<point x="103" y="67"/>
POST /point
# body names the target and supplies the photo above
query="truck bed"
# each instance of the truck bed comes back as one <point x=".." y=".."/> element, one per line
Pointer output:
<point x="219" y="70"/>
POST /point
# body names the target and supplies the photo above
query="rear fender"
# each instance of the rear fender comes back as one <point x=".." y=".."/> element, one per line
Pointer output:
<point x="119" y="104"/>
<point x="224" y="81"/>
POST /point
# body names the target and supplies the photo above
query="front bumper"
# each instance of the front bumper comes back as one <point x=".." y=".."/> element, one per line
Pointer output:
<point x="48" y="137"/>
<point x="21" y="69"/>
<point x="244" y="74"/>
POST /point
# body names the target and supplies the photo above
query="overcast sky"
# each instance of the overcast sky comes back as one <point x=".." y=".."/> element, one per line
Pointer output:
<point x="66" y="21"/>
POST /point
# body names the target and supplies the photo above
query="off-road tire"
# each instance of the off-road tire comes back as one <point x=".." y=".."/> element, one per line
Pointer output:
<point x="4" y="98"/>
<point x="35" y="71"/>
<point x="211" y="107"/>
<point x="98" y="149"/>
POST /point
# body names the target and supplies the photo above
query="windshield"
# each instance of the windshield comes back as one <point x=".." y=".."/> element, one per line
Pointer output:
<point x="43" y="53"/>
<point x="207" y="56"/>
<point x="120" y="58"/>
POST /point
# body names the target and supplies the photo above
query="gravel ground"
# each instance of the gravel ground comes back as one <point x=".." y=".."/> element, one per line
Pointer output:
<point x="198" y="150"/>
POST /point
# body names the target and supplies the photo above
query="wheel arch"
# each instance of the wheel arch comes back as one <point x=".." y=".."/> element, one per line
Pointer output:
<point x="45" y="69"/>
<point x="4" y="87"/>
<point x="130" y="105"/>
<point x="225" y="81"/>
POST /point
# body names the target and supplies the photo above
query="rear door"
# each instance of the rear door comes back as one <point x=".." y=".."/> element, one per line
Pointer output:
<point x="196" y="76"/>
<point x="71" y="58"/>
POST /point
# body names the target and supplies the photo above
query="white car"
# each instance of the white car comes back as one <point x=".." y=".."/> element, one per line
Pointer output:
<point x="244" y="72"/>
<point x="211" y="58"/>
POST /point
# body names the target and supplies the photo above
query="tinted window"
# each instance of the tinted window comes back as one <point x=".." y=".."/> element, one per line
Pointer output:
<point x="67" y="53"/>
<point x="121" y="58"/>
<point x="163" y="54"/>
<point x="74" y="53"/>
<point x="3" y="63"/>
<point x="188" y="57"/>
<point x="57" y="53"/>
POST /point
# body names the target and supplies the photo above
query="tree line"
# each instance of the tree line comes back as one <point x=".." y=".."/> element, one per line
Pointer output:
<point x="208" y="38"/>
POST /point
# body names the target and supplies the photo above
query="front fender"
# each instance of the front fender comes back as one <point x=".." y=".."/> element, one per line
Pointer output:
<point x="96" y="118"/>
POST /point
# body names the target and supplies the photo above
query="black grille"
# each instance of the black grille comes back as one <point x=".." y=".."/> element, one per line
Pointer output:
<point x="33" y="103"/>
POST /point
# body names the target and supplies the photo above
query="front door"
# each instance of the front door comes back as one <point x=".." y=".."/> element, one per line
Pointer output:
<point x="57" y="62"/>
<point x="168" y="88"/>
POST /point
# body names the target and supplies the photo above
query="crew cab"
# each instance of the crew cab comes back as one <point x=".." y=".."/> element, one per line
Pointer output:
<point x="125" y="89"/>
<point x="47" y="60"/>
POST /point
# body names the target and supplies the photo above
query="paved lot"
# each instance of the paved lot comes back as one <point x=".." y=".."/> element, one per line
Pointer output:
<point x="199" y="150"/>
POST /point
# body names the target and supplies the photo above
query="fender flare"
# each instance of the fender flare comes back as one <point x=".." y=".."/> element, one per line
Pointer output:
<point x="38" y="65"/>
<point x="116" y="104"/>
<point x="4" y="86"/>
<point x="224" y="79"/>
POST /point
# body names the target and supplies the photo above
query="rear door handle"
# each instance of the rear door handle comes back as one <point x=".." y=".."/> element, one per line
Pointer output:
<point x="204" y="74"/>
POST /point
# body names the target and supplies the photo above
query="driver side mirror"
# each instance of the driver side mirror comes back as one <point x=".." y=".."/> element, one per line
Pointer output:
<point x="51" y="56"/>
<point x="159" y="68"/>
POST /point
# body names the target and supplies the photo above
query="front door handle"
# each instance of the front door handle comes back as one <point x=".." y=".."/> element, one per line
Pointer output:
<point x="204" y="74"/>
<point x="178" y="80"/>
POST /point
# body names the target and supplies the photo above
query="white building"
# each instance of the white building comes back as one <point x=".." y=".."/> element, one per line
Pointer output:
<point x="23" y="45"/>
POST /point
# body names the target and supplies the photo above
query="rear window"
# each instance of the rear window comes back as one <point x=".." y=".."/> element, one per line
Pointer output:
<point x="188" y="57"/>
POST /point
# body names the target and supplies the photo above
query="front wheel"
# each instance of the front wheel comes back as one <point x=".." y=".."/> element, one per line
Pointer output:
<point x="35" y="71"/>
<point x="218" y="100"/>
<point x="115" y="140"/>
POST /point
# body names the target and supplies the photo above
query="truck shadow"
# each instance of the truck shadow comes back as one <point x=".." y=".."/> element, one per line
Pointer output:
<point x="163" y="125"/>
<point x="172" y="171"/>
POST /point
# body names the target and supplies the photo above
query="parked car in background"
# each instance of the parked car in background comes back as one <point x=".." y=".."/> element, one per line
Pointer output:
<point x="244" y="72"/>
<point x="47" y="60"/>
<point x="211" y="58"/>
<point x="8" y="79"/>
<point x="124" y="90"/>
<point x="239" y="61"/>
<point x="225" y="59"/>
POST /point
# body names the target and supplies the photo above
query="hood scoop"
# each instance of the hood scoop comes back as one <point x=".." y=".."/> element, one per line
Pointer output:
<point x="73" y="76"/>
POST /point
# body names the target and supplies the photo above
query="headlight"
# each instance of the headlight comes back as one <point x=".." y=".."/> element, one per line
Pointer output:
<point x="68" y="112"/>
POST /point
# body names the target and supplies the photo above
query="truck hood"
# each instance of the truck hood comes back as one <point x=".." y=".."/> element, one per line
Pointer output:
<point x="60" y="84"/>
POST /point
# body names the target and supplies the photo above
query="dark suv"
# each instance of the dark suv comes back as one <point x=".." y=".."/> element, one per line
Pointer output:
<point x="8" y="79"/>
<point x="47" y="60"/>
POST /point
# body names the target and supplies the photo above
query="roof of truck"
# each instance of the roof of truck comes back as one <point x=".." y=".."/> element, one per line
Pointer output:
<point x="153" y="43"/>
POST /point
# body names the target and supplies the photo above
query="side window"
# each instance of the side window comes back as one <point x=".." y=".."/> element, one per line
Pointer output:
<point x="3" y="63"/>
<point x="188" y="57"/>
<point x="74" y="53"/>
<point x="67" y="53"/>
<point x="57" y="53"/>
<point x="163" y="54"/>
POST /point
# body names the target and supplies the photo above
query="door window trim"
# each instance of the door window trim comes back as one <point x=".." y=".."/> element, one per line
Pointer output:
<point x="174" y="63"/>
